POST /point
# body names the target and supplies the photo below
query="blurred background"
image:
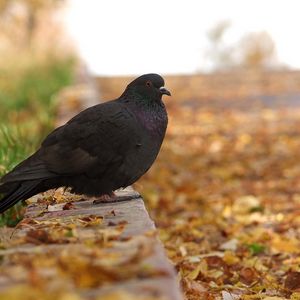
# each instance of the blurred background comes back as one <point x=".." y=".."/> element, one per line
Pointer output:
<point x="232" y="146"/>
<point x="130" y="37"/>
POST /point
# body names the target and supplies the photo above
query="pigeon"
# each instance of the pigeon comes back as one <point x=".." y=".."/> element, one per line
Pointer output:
<point x="105" y="147"/>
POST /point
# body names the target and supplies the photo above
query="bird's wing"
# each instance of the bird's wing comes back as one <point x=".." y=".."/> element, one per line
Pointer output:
<point x="88" y="143"/>
<point x="97" y="136"/>
<point x="30" y="169"/>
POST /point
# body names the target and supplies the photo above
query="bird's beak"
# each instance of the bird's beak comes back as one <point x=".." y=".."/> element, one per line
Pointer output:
<point x="164" y="91"/>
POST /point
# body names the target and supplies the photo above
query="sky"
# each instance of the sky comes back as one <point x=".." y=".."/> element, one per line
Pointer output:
<point x="121" y="37"/>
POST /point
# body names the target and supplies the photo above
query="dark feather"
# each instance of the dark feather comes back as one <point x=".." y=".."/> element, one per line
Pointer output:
<point x="22" y="192"/>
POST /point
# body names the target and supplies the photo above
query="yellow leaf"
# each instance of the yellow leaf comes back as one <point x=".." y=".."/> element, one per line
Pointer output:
<point x="230" y="258"/>
<point x="201" y="268"/>
<point x="295" y="296"/>
<point x="280" y="244"/>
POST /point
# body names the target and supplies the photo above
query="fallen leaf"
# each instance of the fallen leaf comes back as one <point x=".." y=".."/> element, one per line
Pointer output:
<point x="38" y="236"/>
<point x="292" y="281"/>
<point x="248" y="275"/>
<point x="91" y="220"/>
<point x="68" y="205"/>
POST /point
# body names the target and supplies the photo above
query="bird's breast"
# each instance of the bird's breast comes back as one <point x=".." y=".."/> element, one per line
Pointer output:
<point x="154" y="122"/>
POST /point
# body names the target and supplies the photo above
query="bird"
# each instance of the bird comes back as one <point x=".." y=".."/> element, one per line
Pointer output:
<point x="103" y="148"/>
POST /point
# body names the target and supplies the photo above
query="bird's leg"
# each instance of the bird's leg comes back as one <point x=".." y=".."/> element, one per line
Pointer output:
<point x="113" y="198"/>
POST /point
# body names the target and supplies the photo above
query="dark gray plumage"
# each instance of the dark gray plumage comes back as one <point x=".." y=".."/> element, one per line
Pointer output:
<point x="103" y="148"/>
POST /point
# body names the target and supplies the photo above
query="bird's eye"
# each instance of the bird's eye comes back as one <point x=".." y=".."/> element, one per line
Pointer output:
<point x="148" y="83"/>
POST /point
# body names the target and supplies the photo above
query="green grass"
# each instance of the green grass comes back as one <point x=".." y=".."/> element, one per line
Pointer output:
<point x="27" y="114"/>
<point x="14" y="147"/>
<point x="33" y="86"/>
<point x="12" y="150"/>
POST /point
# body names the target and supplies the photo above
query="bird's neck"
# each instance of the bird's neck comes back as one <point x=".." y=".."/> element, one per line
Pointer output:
<point x="152" y="114"/>
<point x="142" y="102"/>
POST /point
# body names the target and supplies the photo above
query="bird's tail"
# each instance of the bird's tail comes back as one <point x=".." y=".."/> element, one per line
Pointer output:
<point x="16" y="192"/>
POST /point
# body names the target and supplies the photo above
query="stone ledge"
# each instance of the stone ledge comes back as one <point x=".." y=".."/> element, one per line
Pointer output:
<point x="89" y="251"/>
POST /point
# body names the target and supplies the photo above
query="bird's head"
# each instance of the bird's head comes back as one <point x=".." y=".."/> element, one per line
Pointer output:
<point x="148" y="87"/>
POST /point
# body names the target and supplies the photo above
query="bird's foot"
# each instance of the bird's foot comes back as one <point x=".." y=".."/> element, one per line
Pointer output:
<point x="113" y="198"/>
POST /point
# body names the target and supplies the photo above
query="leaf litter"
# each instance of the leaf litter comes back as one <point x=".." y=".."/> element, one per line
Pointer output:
<point x="225" y="196"/>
